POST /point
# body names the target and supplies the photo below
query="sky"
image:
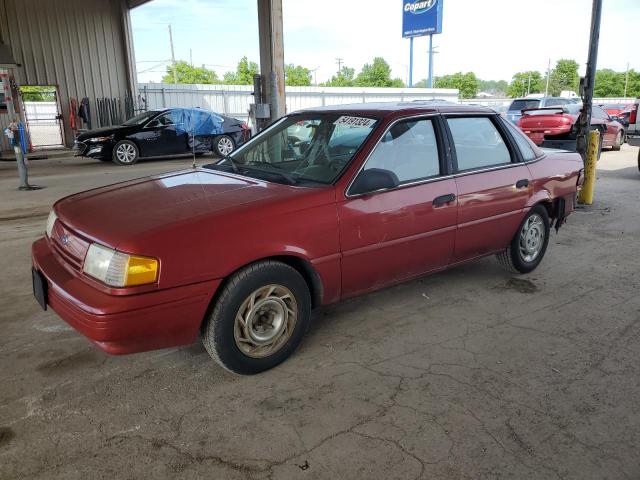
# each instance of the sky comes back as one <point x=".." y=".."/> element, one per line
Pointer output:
<point x="493" y="38"/>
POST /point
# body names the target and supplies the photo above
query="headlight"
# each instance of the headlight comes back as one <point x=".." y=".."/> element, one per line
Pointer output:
<point x="118" y="269"/>
<point x="99" y="139"/>
<point x="51" y="222"/>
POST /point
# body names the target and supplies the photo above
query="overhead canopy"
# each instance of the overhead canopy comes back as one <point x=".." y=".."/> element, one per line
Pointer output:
<point x="136" y="3"/>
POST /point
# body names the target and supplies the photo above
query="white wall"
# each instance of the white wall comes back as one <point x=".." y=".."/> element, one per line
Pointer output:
<point x="234" y="100"/>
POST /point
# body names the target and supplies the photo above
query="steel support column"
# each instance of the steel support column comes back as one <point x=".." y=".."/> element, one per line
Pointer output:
<point x="272" y="55"/>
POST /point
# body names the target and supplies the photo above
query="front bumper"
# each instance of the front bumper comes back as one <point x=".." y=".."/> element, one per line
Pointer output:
<point x="120" y="324"/>
<point x="92" y="150"/>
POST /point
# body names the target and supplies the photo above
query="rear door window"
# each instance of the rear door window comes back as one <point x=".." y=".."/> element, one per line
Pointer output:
<point x="478" y="143"/>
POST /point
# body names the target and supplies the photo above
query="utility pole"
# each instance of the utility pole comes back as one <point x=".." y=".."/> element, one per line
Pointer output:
<point x="626" y="81"/>
<point x="546" y="89"/>
<point x="339" y="62"/>
<point x="587" y="83"/>
<point x="529" y="87"/>
<point x="173" y="56"/>
<point x="191" y="57"/>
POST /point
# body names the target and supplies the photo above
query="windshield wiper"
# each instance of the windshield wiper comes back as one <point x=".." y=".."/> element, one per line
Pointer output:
<point x="273" y="169"/>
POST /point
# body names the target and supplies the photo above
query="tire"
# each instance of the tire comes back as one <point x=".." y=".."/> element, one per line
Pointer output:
<point x="618" y="142"/>
<point x="518" y="258"/>
<point x="234" y="332"/>
<point x="223" y="145"/>
<point x="125" y="152"/>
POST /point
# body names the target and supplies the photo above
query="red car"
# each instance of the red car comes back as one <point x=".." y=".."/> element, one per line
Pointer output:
<point x="560" y="124"/>
<point x="324" y="205"/>
<point x="614" y="109"/>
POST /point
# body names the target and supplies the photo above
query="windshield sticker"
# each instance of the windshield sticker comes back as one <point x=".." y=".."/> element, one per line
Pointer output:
<point x="354" y="121"/>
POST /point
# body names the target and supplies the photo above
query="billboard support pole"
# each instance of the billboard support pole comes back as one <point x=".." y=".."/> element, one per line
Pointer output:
<point x="411" y="62"/>
<point x="430" y="84"/>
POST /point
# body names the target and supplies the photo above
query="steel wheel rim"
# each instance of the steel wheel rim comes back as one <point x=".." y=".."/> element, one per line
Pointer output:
<point x="225" y="146"/>
<point x="532" y="237"/>
<point x="265" y="321"/>
<point x="126" y="153"/>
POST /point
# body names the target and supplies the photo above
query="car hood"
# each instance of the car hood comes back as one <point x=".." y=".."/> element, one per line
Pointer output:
<point x="119" y="213"/>
<point x="104" y="132"/>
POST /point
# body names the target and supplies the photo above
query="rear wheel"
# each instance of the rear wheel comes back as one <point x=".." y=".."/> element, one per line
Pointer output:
<point x="125" y="152"/>
<point x="259" y="318"/>
<point x="223" y="145"/>
<point x="618" y="141"/>
<point x="529" y="244"/>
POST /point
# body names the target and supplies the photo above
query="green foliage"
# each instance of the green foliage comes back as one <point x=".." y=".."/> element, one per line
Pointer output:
<point x="344" y="78"/>
<point x="467" y="83"/>
<point x="185" y="73"/>
<point x="519" y="86"/>
<point x="244" y="73"/>
<point x="564" y="77"/>
<point x="377" y="74"/>
<point x="297" y="76"/>
<point x="495" y="87"/>
<point x="38" y="94"/>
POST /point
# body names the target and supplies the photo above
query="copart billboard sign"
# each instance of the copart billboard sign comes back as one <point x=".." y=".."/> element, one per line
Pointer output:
<point x="421" y="17"/>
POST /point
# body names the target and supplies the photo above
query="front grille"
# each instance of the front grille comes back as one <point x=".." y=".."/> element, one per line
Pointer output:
<point x="70" y="247"/>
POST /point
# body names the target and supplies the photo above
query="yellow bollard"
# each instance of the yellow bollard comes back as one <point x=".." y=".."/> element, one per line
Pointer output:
<point x="586" y="194"/>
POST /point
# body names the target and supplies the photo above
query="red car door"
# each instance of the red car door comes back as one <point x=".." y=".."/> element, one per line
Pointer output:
<point x="493" y="187"/>
<point x="391" y="235"/>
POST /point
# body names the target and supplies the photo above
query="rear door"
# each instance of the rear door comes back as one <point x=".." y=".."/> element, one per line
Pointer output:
<point x="388" y="236"/>
<point x="493" y="185"/>
<point x="602" y="118"/>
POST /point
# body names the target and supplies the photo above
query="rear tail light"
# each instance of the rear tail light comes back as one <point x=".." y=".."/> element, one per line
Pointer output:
<point x="244" y="126"/>
<point x="633" y="115"/>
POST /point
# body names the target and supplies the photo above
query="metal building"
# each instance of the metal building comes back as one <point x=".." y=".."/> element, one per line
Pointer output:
<point x="83" y="48"/>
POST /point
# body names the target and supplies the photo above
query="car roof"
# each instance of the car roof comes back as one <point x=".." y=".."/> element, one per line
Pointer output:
<point x="382" y="109"/>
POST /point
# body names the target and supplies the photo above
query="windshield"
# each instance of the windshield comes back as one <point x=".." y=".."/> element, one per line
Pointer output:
<point x="140" y="119"/>
<point x="313" y="148"/>
<point x="523" y="104"/>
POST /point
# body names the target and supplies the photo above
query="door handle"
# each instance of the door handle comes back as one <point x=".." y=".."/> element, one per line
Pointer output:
<point x="443" y="199"/>
<point x="522" y="183"/>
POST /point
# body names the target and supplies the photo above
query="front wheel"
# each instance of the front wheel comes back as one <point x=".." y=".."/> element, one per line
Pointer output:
<point x="259" y="318"/>
<point x="125" y="152"/>
<point x="529" y="244"/>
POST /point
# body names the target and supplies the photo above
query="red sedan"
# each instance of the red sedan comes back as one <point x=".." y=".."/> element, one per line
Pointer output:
<point x="324" y="205"/>
<point x="560" y="123"/>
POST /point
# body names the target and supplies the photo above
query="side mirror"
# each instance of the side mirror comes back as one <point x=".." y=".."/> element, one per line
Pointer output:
<point x="373" y="180"/>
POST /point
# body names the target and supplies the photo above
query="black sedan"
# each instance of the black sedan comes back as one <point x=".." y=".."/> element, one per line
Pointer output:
<point x="164" y="132"/>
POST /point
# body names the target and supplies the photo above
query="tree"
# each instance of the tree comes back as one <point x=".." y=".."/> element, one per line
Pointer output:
<point x="564" y="77"/>
<point x="520" y="87"/>
<point x="495" y="87"/>
<point x="466" y="83"/>
<point x="185" y="73"/>
<point x="244" y="73"/>
<point x="344" y="78"/>
<point x="297" y="76"/>
<point x="609" y="83"/>
<point x="377" y="74"/>
<point x="38" y="94"/>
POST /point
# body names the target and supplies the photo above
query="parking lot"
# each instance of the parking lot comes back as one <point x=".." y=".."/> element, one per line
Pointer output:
<point x="471" y="373"/>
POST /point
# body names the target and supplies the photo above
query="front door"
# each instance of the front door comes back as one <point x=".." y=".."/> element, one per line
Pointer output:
<point x="388" y="236"/>
<point x="161" y="136"/>
<point x="493" y="186"/>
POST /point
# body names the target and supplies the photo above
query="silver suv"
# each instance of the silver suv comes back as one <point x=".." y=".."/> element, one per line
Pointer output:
<point x="514" y="112"/>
